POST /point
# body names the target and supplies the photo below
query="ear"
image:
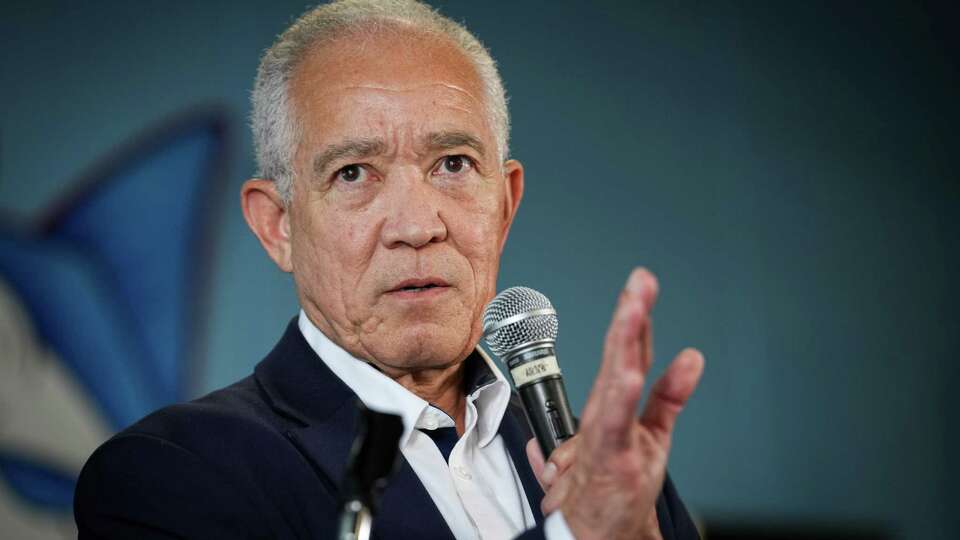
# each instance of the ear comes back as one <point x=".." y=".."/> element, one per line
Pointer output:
<point x="268" y="218"/>
<point x="513" y="177"/>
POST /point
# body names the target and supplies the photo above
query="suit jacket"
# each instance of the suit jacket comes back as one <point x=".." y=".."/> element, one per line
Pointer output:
<point x="263" y="458"/>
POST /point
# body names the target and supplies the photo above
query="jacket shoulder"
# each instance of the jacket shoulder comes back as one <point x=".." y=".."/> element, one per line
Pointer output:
<point x="218" y="466"/>
<point x="239" y="411"/>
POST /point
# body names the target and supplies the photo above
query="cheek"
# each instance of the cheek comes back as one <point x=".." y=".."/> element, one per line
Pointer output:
<point x="330" y="239"/>
<point x="312" y="261"/>
<point x="330" y="256"/>
<point x="477" y="230"/>
<point x="486" y="217"/>
<point x="355" y="237"/>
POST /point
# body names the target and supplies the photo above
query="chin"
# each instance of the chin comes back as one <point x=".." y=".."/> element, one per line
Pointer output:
<point x="426" y="346"/>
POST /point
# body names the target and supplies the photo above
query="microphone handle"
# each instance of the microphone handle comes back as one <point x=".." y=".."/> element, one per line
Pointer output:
<point x="548" y="410"/>
<point x="356" y="521"/>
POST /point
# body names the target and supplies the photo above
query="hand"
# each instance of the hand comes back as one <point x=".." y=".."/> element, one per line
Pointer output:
<point x="606" y="479"/>
<point x="560" y="460"/>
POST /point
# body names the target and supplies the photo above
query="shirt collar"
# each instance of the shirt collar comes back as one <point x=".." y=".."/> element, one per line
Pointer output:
<point x="491" y="394"/>
<point x="488" y="389"/>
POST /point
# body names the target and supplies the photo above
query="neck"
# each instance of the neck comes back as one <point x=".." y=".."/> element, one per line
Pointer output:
<point x="441" y="387"/>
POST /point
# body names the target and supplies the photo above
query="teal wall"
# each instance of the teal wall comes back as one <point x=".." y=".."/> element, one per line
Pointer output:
<point x="790" y="171"/>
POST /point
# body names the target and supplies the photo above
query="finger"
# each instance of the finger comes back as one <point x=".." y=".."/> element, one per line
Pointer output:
<point x="670" y="394"/>
<point x="627" y="339"/>
<point x="617" y="392"/>
<point x="646" y="341"/>
<point x="615" y="395"/>
<point x="643" y="283"/>
<point x="556" y="495"/>
<point x="535" y="457"/>
<point x="562" y="456"/>
<point x="560" y="460"/>
<point x="651" y="291"/>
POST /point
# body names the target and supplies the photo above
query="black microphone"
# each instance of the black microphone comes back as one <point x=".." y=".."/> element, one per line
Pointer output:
<point x="520" y="326"/>
<point x="373" y="459"/>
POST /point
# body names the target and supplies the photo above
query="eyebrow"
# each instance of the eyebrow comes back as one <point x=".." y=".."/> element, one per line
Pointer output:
<point x="446" y="140"/>
<point x="350" y="148"/>
<point x="356" y="149"/>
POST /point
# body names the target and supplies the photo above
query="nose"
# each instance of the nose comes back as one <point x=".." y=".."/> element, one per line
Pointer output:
<point x="413" y="212"/>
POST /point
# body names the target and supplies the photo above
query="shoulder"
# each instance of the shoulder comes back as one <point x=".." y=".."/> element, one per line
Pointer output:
<point x="227" y="416"/>
<point x="229" y="430"/>
<point x="197" y="468"/>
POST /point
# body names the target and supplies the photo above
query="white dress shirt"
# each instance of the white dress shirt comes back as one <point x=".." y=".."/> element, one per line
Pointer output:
<point x="478" y="493"/>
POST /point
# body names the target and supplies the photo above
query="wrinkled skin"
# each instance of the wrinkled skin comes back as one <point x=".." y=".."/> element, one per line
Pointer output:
<point x="398" y="182"/>
<point x="607" y="478"/>
<point x="421" y="195"/>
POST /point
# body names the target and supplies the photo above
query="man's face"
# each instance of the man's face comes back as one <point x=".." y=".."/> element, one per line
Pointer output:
<point x="401" y="206"/>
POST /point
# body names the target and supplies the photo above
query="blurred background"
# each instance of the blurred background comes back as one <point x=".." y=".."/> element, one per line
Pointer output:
<point x="789" y="170"/>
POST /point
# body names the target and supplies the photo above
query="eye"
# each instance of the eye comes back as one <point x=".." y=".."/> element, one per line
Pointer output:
<point x="351" y="174"/>
<point x="454" y="164"/>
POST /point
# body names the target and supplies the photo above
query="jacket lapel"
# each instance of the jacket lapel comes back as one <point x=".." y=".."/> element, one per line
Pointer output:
<point x="516" y="432"/>
<point x="302" y="388"/>
<point x="407" y="511"/>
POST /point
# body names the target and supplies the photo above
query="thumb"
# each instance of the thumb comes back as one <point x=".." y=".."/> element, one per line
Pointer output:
<point x="535" y="457"/>
<point x="670" y="394"/>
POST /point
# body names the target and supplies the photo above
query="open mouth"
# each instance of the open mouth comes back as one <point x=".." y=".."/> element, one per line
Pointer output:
<point x="419" y="285"/>
<point x="415" y="289"/>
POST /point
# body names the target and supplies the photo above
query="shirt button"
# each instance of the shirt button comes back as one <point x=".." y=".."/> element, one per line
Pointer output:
<point x="462" y="472"/>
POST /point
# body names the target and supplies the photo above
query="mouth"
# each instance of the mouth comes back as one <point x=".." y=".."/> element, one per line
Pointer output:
<point x="415" y="286"/>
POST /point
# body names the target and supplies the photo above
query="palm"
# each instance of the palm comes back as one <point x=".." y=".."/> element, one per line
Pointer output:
<point x="614" y="479"/>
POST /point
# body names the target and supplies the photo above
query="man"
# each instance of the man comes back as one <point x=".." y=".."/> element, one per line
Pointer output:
<point x="384" y="189"/>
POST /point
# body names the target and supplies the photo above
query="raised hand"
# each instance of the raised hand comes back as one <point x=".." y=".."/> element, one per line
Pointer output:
<point x="606" y="480"/>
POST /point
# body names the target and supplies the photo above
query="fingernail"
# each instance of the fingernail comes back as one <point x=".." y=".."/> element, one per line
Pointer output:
<point x="549" y="473"/>
<point x="635" y="283"/>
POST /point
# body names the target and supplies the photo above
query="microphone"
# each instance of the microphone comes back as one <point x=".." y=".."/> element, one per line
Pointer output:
<point x="373" y="458"/>
<point x="520" y="326"/>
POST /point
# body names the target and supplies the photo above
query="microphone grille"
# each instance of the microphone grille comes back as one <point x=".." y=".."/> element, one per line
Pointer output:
<point x="514" y="302"/>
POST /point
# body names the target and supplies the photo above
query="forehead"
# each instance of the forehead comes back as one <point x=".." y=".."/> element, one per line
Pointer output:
<point x="364" y="81"/>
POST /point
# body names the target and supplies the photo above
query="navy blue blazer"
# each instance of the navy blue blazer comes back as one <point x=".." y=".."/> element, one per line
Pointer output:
<point x="263" y="458"/>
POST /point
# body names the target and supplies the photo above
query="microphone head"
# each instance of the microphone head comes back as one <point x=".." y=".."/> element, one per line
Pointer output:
<point x="516" y="317"/>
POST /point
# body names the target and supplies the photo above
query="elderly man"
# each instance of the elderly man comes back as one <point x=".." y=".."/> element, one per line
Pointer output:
<point x="381" y="131"/>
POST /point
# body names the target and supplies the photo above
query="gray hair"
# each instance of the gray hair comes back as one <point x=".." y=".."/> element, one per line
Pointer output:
<point x="276" y="131"/>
